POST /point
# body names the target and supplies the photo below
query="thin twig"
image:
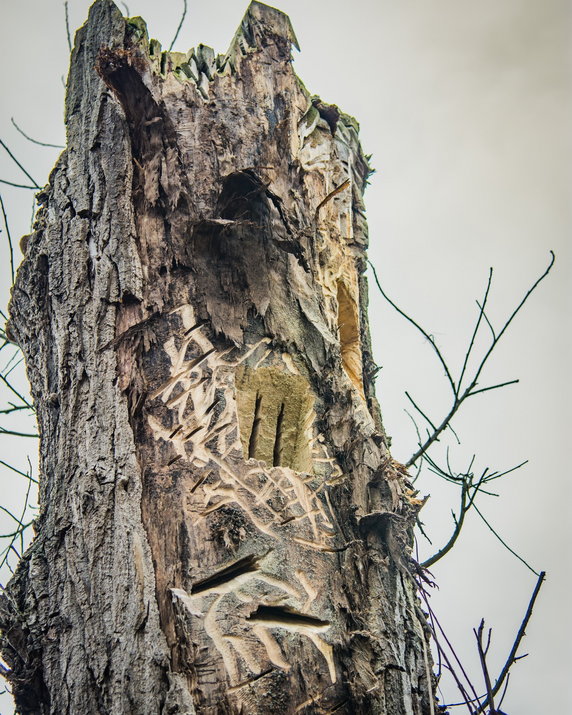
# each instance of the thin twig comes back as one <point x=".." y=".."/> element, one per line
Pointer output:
<point x="435" y="621"/>
<point x="482" y="656"/>
<point x="419" y="409"/>
<point x="488" y="322"/>
<point x="18" y="471"/>
<point x="35" y="141"/>
<point x="475" y="332"/>
<point x="512" y="658"/>
<point x="18" y="186"/>
<point x="3" y="145"/>
<point x="17" y="434"/>
<point x="459" y="396"/>
<point x="416" y="325"/>
<point x="68" y="34"/>
<point x="455" y="535"/>
<point x="180" y="25"/>
<point x="420" y="465"/>
<point x="14" y="366"/>
<point x="22" y="527"/>
<point x="494" y="475"/>
<point x="9" y="236"/>
<point x="493" y="387"/>
<point x="13" y="408"/>
<point x="15" y="391"/>
<point x="505" y="689"/>
<point x="513" y="316"/>
<point x="528" y="566"/>
<point x="11" y="360"/>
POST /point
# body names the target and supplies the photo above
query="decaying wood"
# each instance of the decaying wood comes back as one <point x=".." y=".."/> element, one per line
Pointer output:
<point x="222" y="528"/>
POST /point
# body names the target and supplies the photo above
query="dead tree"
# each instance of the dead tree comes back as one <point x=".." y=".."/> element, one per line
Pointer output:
<point x="222" y="527"/>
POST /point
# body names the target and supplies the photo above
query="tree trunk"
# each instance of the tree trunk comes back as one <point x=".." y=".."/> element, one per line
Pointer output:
<point x="222" y="528"/>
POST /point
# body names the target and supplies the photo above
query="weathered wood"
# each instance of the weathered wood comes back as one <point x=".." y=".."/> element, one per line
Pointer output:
<point x="222" y="527"/>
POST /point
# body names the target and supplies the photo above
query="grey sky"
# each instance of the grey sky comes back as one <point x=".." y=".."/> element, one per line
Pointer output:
<point x="466" y="108"/>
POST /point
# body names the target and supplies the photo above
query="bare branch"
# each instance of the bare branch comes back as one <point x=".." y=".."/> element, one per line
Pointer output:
<point x="19" y="533"/>
<point x="470" y="391"/>
<point x="68" y="33"/>
<point x="17" y="434"/>
<point x="18" y="186"/>
<point x="3" y="145"/>
<point x="436" y="433"/>
<point x="475" y="332"/>
<point x="528" y="566"/>
<point x="419" y="409"/>
<point x="13" y="408"/>
<point x="416" y="325"/>
<point x="18" y="471"/>
<point x="462" y="689"/>
<point x="35" y="141"/>
<point x="512" y="657"/>
<point x="9" y="236"/>
<point x="511" y="318"/>
<point x="180" y="25"/>
<point x="15" y="391"/>
<point x="488" y="322"/>
<point x="482" y="655"/>
<point x="455" y="535"/>
<point x="498" y="475"/>
<point x="493" y="387"/>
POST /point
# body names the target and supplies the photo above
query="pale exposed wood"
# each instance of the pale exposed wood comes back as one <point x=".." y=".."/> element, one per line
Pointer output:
<point x="223" y="529"/>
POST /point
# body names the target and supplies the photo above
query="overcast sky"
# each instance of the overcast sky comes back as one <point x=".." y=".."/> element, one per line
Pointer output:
<point x="466" y="108"/>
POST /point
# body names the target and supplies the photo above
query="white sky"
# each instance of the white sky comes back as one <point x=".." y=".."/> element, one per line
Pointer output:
<point x="466" y="108"/>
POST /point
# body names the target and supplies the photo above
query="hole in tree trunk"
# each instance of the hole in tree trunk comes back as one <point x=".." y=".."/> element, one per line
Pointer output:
<point x="275" y="414"/>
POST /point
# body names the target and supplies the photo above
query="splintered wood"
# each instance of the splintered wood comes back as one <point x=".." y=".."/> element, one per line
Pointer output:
<point x="245" y="528"/>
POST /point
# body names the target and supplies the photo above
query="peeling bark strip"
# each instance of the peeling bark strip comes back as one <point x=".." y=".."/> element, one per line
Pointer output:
<point x="222" y="528"/>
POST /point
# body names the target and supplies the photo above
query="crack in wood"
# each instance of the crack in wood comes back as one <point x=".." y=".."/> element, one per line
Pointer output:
<point x="252" y="442"/>
<point x="277" y="451"/>
<point x="254" y="678"/>
<point x="229" y="573"/>
<point x="287" y="617"/>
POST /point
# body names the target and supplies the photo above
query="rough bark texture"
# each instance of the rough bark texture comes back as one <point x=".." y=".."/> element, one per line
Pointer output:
<point x="222" y="528"/>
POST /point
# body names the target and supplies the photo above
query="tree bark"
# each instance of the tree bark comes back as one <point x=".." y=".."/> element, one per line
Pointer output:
<point x="222" y="527"/>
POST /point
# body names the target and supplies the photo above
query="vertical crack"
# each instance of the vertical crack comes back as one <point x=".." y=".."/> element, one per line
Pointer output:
<point x="277" y="453"/>
<point x="255" y="427"/>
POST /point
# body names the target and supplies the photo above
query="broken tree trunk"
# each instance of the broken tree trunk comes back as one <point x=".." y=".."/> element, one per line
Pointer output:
<point x="222" y="528"/>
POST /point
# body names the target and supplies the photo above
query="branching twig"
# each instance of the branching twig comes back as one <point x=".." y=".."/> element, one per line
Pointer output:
<point x="469" y="491"/>
<point x="445" y="657"/>
<point x="15" y="391"/>
<point x="475" y="332"/>
<point x="478" y="704"/>
<point x="512" y="657"/>
<point x="18" y="471"/>
<point x="483" y="658"/>
<point x="460" y="394"/>
<point x="19" y="533"/>
<point x="409" y="319"/>
<point x="455" y="535"/>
